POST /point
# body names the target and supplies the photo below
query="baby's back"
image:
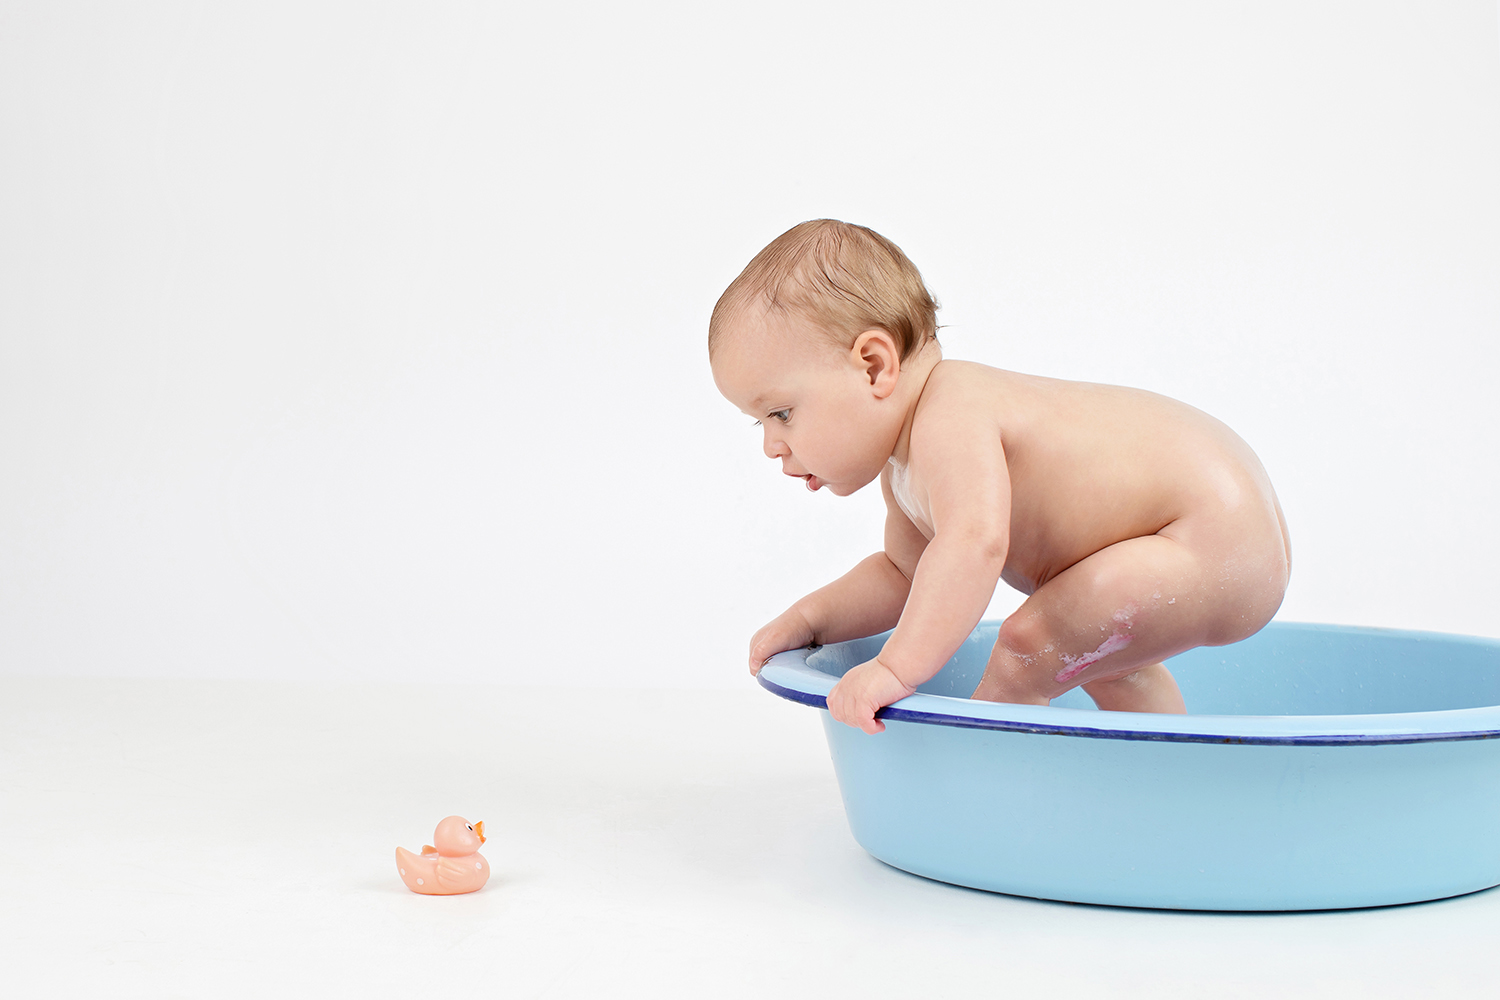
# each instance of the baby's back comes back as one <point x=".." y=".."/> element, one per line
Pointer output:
<point x="1091" y="465"/>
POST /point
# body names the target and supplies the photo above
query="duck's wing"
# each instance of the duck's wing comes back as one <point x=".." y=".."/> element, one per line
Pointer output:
<point x="463" y="874"/>
<point x="419" y="872"/>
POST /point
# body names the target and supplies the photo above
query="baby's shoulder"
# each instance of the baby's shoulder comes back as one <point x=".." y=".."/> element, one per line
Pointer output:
<point x="1018" y="398"/>
<point x="962" y="391"/>
<point x="961" y="380"/>
<point x="959" y="399"/>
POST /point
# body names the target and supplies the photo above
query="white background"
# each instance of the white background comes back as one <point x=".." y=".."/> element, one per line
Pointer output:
<point x="346" y="348"/>
<point x="366" y="341"/>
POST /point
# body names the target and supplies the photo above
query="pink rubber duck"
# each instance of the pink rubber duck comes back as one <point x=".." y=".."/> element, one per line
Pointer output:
<point x="453" y="866"/>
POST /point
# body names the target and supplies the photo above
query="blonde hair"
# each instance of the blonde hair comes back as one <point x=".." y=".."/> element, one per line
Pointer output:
<point x="846" y="278"/>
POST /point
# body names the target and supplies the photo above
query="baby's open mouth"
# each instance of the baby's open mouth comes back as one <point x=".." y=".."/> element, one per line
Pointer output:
<point x="812" y="481"/>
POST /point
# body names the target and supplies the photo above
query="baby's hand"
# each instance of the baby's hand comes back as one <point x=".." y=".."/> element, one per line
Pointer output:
<point x="789" y="631"/>
<point x="864" y="691"/>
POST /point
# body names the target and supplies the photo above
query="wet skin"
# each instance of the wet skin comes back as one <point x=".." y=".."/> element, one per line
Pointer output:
<point x="1139" y="526"/>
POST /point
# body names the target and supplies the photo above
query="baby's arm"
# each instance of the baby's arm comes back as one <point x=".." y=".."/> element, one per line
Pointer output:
<point x="967" y="487"/>
<point x="865" y="601"/>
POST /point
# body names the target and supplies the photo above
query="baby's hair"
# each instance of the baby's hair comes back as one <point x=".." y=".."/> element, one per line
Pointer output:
<point x="845" y="278"/>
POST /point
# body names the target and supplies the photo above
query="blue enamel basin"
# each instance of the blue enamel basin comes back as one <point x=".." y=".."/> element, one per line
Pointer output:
<point x="1323" y="767"/>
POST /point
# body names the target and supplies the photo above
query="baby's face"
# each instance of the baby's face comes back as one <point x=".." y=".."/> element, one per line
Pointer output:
<point x="813" y="400"/>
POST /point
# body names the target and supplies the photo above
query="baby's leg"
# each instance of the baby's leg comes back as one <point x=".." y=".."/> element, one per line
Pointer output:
<point x="1149" y="689"/>
<point x="1108" y="621"/>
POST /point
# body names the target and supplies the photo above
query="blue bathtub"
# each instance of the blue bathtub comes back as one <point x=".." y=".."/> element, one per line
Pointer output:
<point x="1323" y="767"/>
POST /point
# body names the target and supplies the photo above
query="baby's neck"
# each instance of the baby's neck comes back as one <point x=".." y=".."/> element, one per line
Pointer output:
<point x="913" y="382"/>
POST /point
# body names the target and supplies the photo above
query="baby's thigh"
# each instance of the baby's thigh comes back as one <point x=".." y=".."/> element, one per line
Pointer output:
<point x="1240" y="567"/>
<point x="1142" y="600"/>
<point x="1135" y="602"/>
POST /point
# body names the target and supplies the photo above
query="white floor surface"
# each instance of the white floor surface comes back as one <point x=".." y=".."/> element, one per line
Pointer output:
<point x="224" y="839"/>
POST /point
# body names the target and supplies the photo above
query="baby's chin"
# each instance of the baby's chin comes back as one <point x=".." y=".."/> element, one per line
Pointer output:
<point x="844" y="489"/>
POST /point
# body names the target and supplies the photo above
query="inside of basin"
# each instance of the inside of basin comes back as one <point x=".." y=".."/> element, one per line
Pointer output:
<point x="1285" y="669"/>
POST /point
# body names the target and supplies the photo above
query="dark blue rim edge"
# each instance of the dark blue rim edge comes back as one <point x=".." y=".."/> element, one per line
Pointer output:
<point x="894" y="714"/>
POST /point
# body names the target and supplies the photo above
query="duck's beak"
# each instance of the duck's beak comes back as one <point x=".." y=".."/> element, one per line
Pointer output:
<point x="479" y="829"/>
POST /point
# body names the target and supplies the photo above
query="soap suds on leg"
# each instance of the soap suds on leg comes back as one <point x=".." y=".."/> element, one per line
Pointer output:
<point x="1076" y="665"/>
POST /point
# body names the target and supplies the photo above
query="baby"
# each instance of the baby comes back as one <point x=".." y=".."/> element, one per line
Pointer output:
<point x="1138" y="526"/>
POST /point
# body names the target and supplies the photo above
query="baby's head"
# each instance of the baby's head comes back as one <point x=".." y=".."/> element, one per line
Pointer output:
<point x="841" y="278"/>
<point x="812" y="338"/>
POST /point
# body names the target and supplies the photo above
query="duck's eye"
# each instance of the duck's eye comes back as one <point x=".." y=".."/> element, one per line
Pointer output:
<point x="470" y="827"/>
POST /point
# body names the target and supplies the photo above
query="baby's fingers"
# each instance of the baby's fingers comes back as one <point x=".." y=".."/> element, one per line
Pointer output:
<point x="863" y="717"/>
<point x="761" y="650"/>
<point x="851" y="711"/>
<point x="778" y="636"/>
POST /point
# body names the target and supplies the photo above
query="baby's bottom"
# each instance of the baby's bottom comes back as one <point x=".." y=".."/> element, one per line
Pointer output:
<point x="1107" y="622"/>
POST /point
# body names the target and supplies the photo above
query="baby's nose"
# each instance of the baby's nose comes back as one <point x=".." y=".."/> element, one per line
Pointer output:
<point x="776" y="448"/>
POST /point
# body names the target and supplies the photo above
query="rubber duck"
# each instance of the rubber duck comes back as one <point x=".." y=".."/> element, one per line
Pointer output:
<point x="451" y="867"/>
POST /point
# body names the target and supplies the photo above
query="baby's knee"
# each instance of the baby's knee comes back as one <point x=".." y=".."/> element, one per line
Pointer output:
<point x="1025" y="634"/>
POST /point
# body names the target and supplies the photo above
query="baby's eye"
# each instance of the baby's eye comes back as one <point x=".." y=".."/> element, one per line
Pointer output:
<point x="782" y="415"/>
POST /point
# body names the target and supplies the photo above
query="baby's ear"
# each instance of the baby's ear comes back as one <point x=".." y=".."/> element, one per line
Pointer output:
<point x="878" y="358"/>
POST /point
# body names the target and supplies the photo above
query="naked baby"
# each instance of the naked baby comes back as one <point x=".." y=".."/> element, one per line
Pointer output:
<point x="1139" y="526"/>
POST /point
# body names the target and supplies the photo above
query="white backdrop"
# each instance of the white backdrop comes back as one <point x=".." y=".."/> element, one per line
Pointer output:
<point x="367" y="340"/>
